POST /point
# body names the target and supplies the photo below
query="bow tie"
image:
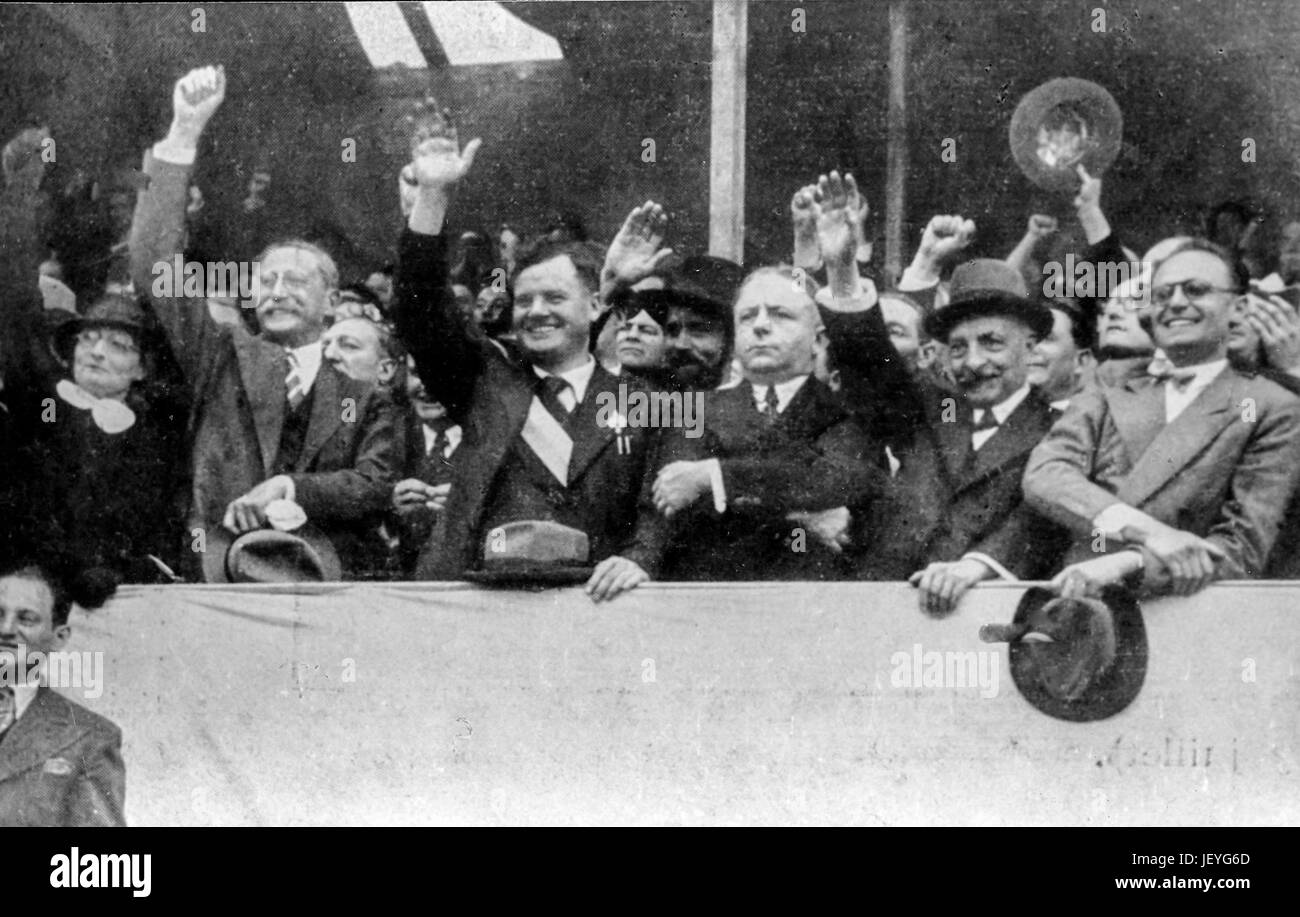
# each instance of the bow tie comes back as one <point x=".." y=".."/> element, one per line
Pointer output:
<point x="109" y="415"/>
<point x="1167" y="372"/>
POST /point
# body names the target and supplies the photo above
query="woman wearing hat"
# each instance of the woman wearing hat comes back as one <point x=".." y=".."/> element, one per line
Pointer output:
<point x="103" y="462"/>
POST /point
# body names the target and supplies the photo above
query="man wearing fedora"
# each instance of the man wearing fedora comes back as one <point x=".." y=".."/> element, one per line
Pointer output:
<point x="533" y="457"/>
<point x="955" y="515"/>
<point x="1182" y="476"/>
<point x="273" y="423"/>
<point x="96" y="437"/>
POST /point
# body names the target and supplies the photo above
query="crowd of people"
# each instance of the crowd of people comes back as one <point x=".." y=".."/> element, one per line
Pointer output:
<point x="509" y="409"/>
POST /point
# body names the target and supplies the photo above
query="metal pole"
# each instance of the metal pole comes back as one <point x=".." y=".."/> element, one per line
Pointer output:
<point x="727" y="130"/>
<point x="896" y="142"/>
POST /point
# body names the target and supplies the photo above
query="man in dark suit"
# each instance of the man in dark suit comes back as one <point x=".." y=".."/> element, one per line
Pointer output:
<point x="60" y="764"/>
<point x="1179" y="479"/>
<point x="271" y="421"/>
<point x="954" y="515"/>
<point x="532" y="447"/>
<point x="779" y="454"/>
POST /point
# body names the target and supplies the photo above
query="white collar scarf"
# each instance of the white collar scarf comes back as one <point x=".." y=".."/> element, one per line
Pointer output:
<point x="109" y="415"/>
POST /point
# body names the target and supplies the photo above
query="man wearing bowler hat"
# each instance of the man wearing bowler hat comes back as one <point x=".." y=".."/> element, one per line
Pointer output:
<point x="956" y="516"/>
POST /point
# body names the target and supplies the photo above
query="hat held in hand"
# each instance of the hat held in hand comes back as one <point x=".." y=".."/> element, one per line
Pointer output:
<point x="1077" y="659"/>
<point x="272" y="556"/>
<point x="534" y="552"/>
<point x="987" y="287"/>
<point x="1061" y="125"/>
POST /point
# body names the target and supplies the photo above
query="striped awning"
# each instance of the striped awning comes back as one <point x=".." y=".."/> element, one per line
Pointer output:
<point x="467" y="33"/>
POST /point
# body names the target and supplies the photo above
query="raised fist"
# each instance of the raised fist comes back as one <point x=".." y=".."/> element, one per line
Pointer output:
<point x="197" y="96"/>
<point x="946" y="235"/>
<point x="1041" y="226"/>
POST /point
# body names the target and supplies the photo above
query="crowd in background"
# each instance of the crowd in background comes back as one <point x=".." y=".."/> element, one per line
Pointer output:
<point x="468" y="411"/>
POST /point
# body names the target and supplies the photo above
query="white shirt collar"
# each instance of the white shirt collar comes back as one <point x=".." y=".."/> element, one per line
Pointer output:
<point x="431" y="437"/>
<point x="1004" y="409"/>
<point x="1061" y="404"/>
<point x="1205" y="372"/>
<point x="309" y="359"/>
<point x="578" y="378"/>
<point x="23" y="697"/>
<point x="785" y="392"/>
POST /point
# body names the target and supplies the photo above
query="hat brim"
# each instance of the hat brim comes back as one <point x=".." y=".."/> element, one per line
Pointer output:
<point x="1115" y="689"/>
<point x="214" y="564"/>
<point x="65" y="335"/>
<point x="940" y="323"/>
<point x="1094" y="104"/>
<point x="530" y="574"/>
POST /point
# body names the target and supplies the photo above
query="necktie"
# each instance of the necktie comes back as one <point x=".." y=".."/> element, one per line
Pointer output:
<point x="988" y="421"/>
<point x="548" y="392"/>
<point x="1167" y="372"/>
<point x="8" y="708"/>
<point x="293" y="382"/>
<point x="440" y="443"/>
<point x="771" y="406"/>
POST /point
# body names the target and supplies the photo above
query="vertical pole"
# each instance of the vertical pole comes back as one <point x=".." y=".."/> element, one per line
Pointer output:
<point x="896" y="142"/>
<point x="727" y="130"/>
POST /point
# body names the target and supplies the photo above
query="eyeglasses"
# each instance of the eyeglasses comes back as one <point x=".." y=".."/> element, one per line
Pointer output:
<point x="1194" y="290"/>
<point x="119" y="342"/>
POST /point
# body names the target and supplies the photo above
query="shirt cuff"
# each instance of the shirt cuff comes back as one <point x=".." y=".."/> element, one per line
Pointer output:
<point x="175" y="153"/>
<point x="719" y="490"/>
<point x="1111" y="521"/>
<point x="1001" y="571"/>
<point x="913" y="280"/>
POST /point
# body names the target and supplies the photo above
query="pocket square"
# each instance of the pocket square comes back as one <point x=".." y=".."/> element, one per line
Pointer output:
<point x="59" y="767"/>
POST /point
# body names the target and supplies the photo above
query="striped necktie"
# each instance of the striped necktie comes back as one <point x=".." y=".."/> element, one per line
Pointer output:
<point x="8" y="708"/>
<point x="293" y="382"/>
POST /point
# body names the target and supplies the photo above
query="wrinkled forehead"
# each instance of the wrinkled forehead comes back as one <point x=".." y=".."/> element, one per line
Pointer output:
<point x="19" y="592"/>
<point x="359" y="329"/>
<point x="1003" y="326"/>
<point x="284" y="258"/>
<point x="553" y="273"/>
<point x="774" y="290"/>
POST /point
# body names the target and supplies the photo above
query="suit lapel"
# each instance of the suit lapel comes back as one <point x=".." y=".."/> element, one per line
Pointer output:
<point x="263" y="368"/>
<point x="1138" y="409"/>
<point x="45" y="728"/>
<point x="1177" y="445"/>
<point x="589" y="439"/>
<point x="326" y="414"/>
<point x="954" y="443"/>
<point x="1021" y="433"/>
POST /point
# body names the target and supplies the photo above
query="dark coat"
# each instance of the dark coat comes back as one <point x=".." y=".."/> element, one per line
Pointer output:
<point x="815" y="457"/>
<point x="351" y="455"/>
<point x="61" y="766"/>
<point x="487" y="389"/>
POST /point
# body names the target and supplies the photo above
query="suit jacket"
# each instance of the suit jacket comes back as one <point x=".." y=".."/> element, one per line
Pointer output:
<point x="351" y="455"/>
<point x="949" y="500"/>
<point x="815" y="457"/>
<point x="1224" y="470"/>
<point x="944" y="501"/>
<point x="61" y="766"/>
<point x="488" y="388"/>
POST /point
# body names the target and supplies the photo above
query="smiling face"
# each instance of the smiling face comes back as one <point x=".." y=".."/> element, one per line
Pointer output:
<point x="553" y="312"/>
<point x="640" y="342"/>
<point x="353" y="347"/>
<point x="292" y="295"/>
<point x="989" y="358"/>
<point x="778" y="330"/>
<point x="106" y="361"/>
<point x="1193" y="328"/>
<point x="27" y="620"/>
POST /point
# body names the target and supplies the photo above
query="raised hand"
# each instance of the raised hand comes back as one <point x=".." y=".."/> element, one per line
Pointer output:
<point x="440" y="163"/>
<point x="636" y="252"/>
<point x="1276" y="322"/>
<point x="946" y="235"/>
<point x="835" y="203"/>
<point x="1041" y="227"/>
<point x="803" y="219"/>
<point x="196" y="98"/>
<point x="1089" y="195"/>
